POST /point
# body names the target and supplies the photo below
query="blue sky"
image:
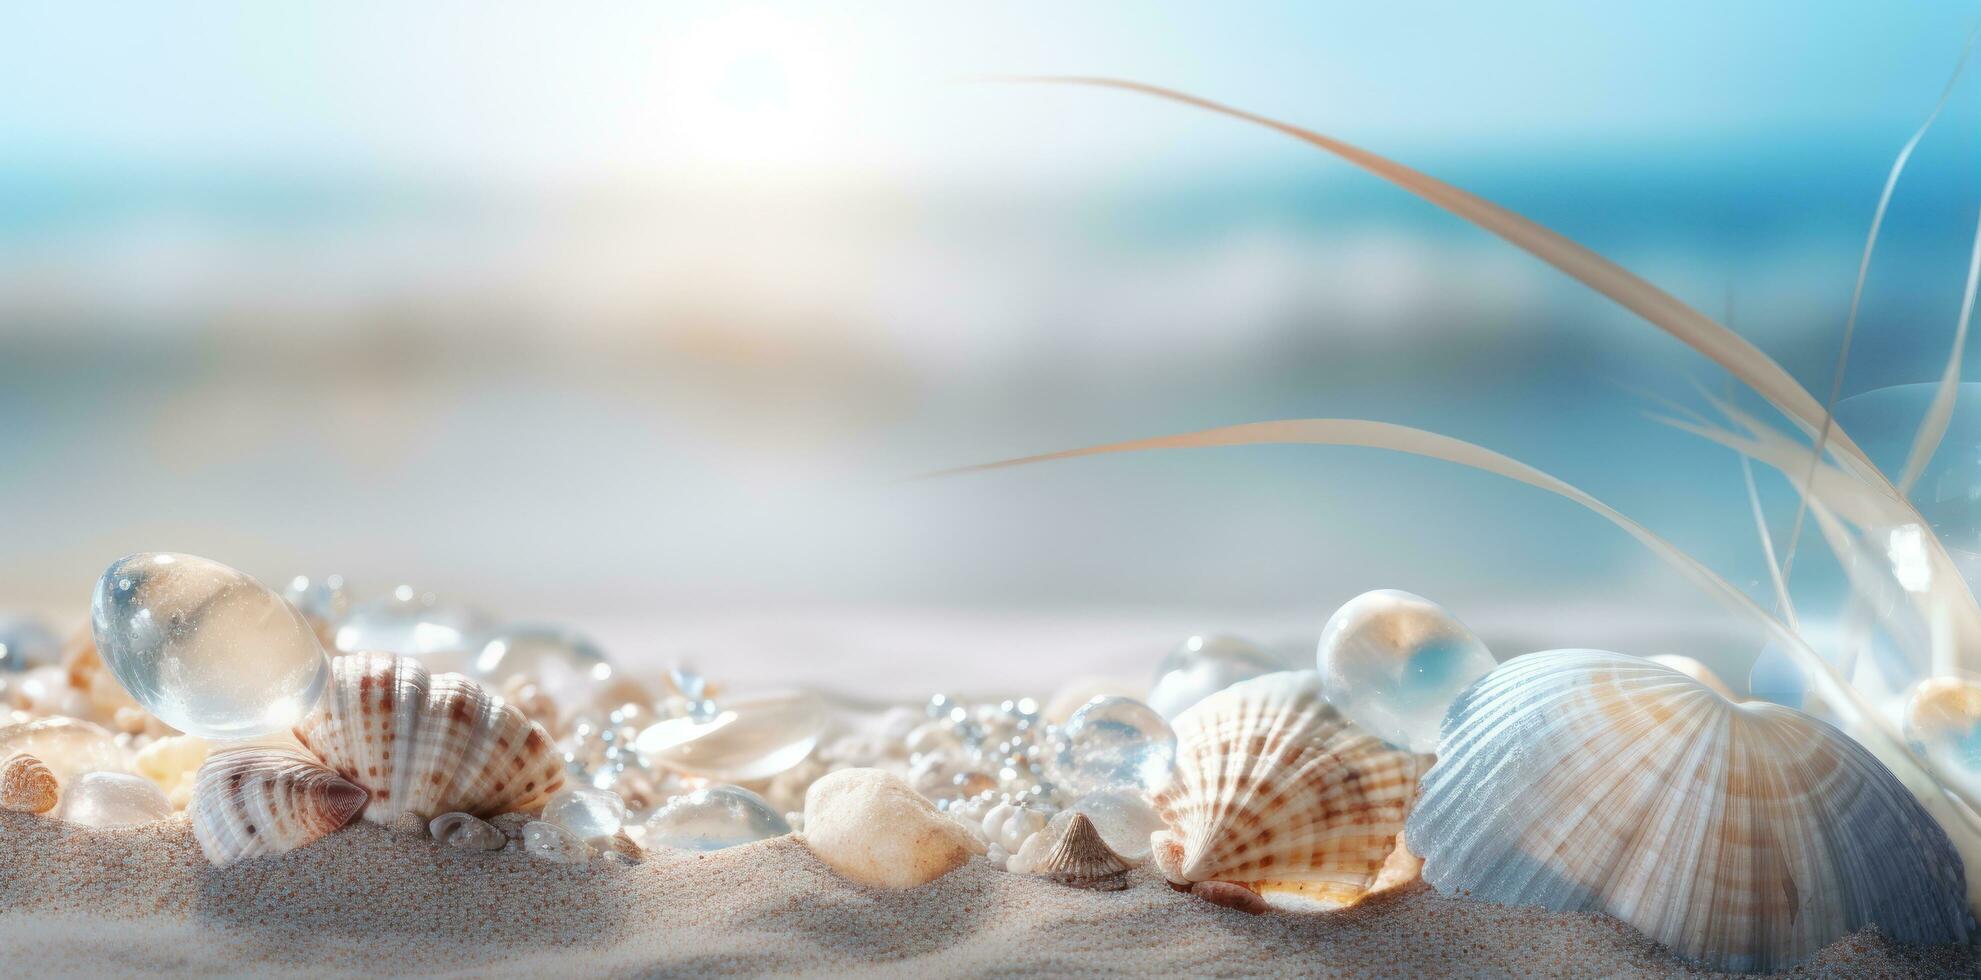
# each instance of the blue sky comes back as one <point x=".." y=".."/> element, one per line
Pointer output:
<point x="623" y="91"/>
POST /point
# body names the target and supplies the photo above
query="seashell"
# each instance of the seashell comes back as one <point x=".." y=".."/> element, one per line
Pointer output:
<point x="1695" y="670"/>
<point x="173" y="763"/>
<point x="1231" y="896"/>
<point x="1273" y="789"/>
<point x="1009" y="825"/>
<point x="466" y="831"/>
<point x="27" y="785"/>
<point x="1083" y="860"/>
<point x="1742" y="836"/>
<point x="428" y="744"/>
<point x="266" y="799"/>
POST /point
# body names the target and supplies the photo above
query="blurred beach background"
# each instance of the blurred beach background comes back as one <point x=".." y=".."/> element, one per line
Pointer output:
<point x="636" y="317"/>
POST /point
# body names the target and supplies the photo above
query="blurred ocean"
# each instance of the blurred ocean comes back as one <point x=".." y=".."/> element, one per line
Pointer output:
<point x="656" y="407"/>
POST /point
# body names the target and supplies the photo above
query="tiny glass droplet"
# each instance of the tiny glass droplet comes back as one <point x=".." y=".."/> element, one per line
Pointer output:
<point x="207" y="649"/>
<point x="25" y="643"/>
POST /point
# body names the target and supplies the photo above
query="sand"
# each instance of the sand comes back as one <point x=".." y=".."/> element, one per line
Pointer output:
<point x="368" y="901"/>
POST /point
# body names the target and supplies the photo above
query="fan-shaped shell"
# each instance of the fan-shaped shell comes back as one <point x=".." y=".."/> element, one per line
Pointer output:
<point x="1082" y="859"/>
<point x="261" y="799"/>
<point x="1275" y="790"/>
<point x="428" y="744"/>
<point x="1742" y="836"/>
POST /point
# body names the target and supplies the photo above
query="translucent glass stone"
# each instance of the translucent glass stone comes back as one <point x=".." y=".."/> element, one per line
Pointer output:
<point x="563" y="664"/>
<point x="714" y="818"/>
<point x="412" y="624"/>
<point x="113" y="799"/>
<point x="548" y="842"/>
<point x="747" y="740"/>
<point x="26" y="643"/>
<point x="1202" y="666"/>
<point x="1942" y="721"/>
<point x="1125" y="820"/>
<point x="1393" y="662"/>
<point x="586" y="812"/>
<point x="207" y="649"/>
<point x="1115" y="743"/>
<point x="67" y="746"/>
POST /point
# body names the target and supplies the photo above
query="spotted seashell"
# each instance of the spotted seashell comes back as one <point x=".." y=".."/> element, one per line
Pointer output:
<point x="1274" y="790"/>
<point x="1742" y="836"/>
<point x="1082" y="859"/>
<point x="466" y="831"/>
<point x="266" y="799"/>
<point x="428" y="744"/>
<point x="27" y="785"/>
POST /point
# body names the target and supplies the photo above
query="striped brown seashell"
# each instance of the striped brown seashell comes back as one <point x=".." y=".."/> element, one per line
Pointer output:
<point x="27" y="785"/>
<point x="427" y="744"/>
<point x="266" y="799"/>
<point x="1275" y="791"/>
<point x="1082" y="859"/>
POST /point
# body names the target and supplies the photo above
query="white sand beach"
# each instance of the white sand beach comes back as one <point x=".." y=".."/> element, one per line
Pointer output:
<point x="78" y="902"/>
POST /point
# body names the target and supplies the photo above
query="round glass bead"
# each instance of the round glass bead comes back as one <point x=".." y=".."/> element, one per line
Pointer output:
<point x="1202" y="666"/>
<point x="1115" y="743"/>
<point x="1394" y="662"/>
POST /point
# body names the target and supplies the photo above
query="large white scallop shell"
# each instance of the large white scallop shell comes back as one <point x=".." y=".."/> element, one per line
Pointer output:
<point x="1744" y="836"/>
<point x="428" y="744"/>
<point x="1273" y="789"/>
<point x="263" y="799"/>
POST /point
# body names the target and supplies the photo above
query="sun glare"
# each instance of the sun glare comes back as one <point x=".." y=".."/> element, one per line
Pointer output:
<point x="754" y="91"/>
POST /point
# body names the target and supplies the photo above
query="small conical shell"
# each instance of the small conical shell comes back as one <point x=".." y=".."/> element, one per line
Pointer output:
<point x="428" y="744"/>
<point x="1743" y="836"/>
<point x="27" y="785"/>
<point x="1082" y="859"/>
<point x="1275" y="790"/>
<point x="261" y="799"/>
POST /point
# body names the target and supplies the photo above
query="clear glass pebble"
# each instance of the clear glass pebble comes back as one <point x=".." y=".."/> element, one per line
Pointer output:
<point x="207" y="649"/>
<point x="586" y="812"/>
<point x="745" y="741"/>
<point x="1393" y="662"/>
<point x="69" y="747"/>
<point x="112" y="799"/>
<point x="562" y="663"/>
<point x="549" y="842"/>
<point x="714" y="818"/>
<point x="412" y="623"/>
<point x="1202" y="666"/>
<point x="1124" y="819"/>
<point x="1114" y="743"/>
<point x="1942" y="722"/>
<point x="25" y="642"/>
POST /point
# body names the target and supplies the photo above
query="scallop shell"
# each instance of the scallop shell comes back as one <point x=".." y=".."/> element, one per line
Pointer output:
<point x="27" y="785"/>
<point x="263" y="799"/>
<point x="428" y="744"/>
<point x="1082" y="859"/>
<point x="1274" y="790"/>
<point x="1745" y="837"/>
